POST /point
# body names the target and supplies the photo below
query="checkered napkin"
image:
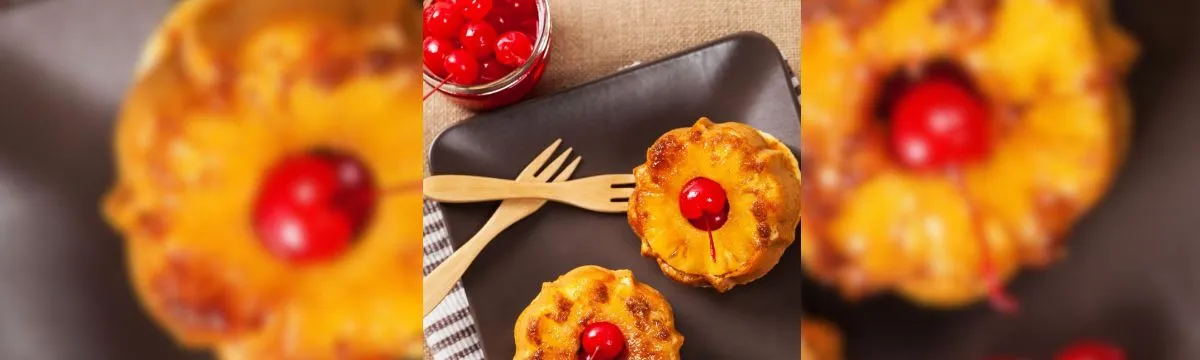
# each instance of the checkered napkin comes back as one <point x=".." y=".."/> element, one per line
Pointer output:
<point x="450" y="329"/>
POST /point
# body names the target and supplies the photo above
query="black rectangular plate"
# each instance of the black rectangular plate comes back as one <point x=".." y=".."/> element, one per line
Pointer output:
<point x="610" y="123"/>
<point x="1131" y="275"/>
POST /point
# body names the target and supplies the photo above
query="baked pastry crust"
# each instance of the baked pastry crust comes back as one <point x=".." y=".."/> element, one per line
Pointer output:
<point x="550" y="327"/>
<point x="1050" y="71"/>
<point x="223" y="90"/>
<point x="819" y="340"/>
<point x="761" y="178"/>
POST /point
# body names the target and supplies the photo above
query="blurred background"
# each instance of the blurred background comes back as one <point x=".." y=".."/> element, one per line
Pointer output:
<point x="64" y="68"/>
<point x="1131" y="276"/>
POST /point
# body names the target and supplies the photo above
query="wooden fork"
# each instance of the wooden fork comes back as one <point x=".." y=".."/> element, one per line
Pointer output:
<point x="439" y="281"/>
<point x="601" y="193"/>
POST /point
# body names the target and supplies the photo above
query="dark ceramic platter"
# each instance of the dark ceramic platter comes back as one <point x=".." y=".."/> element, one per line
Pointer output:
<point x="610" y="123"/>
<point x="1132" y="275"/>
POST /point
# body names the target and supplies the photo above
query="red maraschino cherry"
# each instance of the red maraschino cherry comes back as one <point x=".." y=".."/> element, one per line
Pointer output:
<point x="513" y="48"/>
<point x="519" y="8"/>
<point x="1091" y="350"/>
<point x="602" y="341"/>
<point x="479" y="38"/>
<point x="528" y="27"/>
<point x="442" y="20"/>
<point x="310" y="206"/>
<point x="502" y="22"/>
<point x="461" y="67"/>
<point x="938" y="123"/>
<point x="702" y="202"/>
<point x="474" y="9"/>
<point x="491" y="70"/>
<point x="434" y="54"/>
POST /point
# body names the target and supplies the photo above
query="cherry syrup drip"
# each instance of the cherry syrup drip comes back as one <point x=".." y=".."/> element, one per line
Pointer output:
<point x="938" y="119"/>
<point x="703" y="203"/>
<point x="712" y="244"/>
<point x="998" y="296"/>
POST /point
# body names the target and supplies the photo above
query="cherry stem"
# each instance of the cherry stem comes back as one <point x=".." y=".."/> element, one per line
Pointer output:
<point x="401" y="188"/>
<point x="998" y="297"/>
<point x="436" y="88"/>
<point x="712" y="246"/>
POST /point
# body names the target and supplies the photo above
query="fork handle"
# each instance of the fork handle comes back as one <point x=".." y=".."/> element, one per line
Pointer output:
<point x="466" y="189"/>
<point x="438" y="283"/>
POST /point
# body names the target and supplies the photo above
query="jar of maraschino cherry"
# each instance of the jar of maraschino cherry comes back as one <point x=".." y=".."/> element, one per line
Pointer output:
<point x="484" y="54"/>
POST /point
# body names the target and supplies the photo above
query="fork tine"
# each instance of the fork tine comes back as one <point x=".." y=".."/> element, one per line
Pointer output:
<point x="620" y="193"/>
<point x="554" y="166"/>
<point x="621" y="179"/>
<point x="538" y="161"/>
<point x="613" y="207"/>
<point x="570" y="169"/>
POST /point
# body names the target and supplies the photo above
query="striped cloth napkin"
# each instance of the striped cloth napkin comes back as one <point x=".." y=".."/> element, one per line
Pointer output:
<point x="450" y="331"/>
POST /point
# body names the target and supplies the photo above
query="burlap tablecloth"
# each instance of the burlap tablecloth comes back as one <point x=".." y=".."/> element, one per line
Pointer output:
<point x="594" y="38"/>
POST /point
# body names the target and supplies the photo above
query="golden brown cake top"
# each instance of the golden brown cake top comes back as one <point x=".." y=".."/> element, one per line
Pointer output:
<point x="551" y="326"/>
<point x="224" y="90"/>
<point x="760" y="178"/>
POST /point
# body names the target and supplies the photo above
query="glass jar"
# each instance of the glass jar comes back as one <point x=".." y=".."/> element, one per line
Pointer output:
<point x="512" y="87"/>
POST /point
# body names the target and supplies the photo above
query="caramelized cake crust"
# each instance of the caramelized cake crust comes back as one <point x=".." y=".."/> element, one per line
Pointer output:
<point x="551" y="326"/>
<point x="762" y="180"/>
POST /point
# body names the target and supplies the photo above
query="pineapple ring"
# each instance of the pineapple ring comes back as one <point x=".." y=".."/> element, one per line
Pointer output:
<point x="761" y="178"/>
